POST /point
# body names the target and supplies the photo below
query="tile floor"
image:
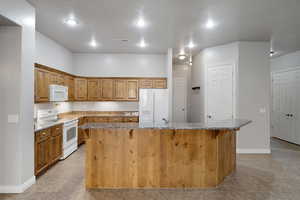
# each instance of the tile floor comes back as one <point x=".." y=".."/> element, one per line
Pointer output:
<point x="258" y="177"/>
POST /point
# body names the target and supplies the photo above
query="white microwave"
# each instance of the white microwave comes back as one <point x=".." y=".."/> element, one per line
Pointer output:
<point x="58" y="93"/>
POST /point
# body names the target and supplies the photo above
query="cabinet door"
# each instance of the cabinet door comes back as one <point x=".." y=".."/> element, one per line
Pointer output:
<point x="41" y="85"/>
<point x="160" y="83"/>
<point x="120" y="89"/>
<point x="80" y="89"/>
<point x="69" y="81"/>
<point x="107" y="89"/>
<point x="42" y="155"/>
<point x="55" y="148"/>
<point x="60" y="79"/>
<point x="146" y="83"/>
<point x="132" y="86"/>
<point x="52" y="78"/>
<point x="93" y="91"/>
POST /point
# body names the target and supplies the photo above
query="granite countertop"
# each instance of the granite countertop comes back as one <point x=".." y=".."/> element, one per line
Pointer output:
<point x="41" y="126"/>
<point x="71" y="117"/>
<point x="219" y="125"/>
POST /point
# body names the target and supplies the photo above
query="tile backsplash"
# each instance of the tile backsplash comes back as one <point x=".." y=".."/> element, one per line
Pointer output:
<point x="63" y="107"/>
<point x="105" y="106"/>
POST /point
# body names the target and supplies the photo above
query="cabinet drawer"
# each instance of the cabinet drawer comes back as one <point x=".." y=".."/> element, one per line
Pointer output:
<point x="42" y="135"/>
<point x="56" y="130"/>
<point x="116" y="119"/>
<point x="131" y="119"/>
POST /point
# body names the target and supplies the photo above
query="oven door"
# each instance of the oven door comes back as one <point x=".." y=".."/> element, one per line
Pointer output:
<point x="70" y="135"/>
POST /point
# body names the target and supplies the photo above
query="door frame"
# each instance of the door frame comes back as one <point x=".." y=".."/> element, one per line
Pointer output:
<point x="234" y="85"/>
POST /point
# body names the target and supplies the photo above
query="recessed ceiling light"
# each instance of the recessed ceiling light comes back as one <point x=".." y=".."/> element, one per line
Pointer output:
<point x="141" y="23"/>
<point x="191" y="45"/>
<point x="93" y="43"/>
<point x="71" y="22"/>
<point x="142" y="44"/>
<point x="182" y="57"/>
<point x="210" y="24"/>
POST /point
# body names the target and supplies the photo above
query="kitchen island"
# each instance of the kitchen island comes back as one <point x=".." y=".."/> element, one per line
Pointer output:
<point x="148" y="155"/>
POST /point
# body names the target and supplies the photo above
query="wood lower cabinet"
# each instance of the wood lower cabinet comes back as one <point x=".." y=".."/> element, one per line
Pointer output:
<point x="42" y="81"/>
<point x="80" y="89"/>
<point x="42" y="150"/>
<point x="48" y="147"/>
<point x="81" y="136"/>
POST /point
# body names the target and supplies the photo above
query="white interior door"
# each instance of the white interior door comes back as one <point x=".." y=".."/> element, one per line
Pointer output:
<point x="286" y="109"/>
<point x="219" y="94"/>
<point x="179" y="99"/>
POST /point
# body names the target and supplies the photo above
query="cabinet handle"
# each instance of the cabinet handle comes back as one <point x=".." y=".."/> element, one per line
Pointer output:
<point x="44" y="133"/>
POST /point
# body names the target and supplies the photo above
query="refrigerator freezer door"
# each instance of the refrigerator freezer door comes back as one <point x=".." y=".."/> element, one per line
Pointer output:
<point x="146" y="105"/>
<point x="161" y="105"/>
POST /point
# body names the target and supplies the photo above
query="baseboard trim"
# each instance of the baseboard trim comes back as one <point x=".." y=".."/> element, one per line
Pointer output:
<point x="253" y="151"/>
<point x="17" y="188"/>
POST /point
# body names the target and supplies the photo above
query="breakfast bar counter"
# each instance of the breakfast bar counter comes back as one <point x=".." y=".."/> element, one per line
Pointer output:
<point x="149" y="155"/>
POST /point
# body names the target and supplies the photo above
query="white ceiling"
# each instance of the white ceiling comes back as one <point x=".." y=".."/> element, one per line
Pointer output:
<point x="172" y="23"/>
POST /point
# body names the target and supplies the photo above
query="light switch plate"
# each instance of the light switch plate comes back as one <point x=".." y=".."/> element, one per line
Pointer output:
<point x="14" y="119"/>
<point x="262" y="110"/>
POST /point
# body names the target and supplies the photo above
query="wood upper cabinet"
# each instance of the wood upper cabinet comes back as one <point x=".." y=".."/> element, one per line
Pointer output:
<point x="93" y="89"/>
<point x="42" y="81"/>
<point x="90" y="88"/>
<point x="120" y="89"/>
<point x="69" y="82"/>
<point x="132" y="90"/>
<point x="160" y="83"/>
<point x="107" y="89"/>
<point x="80" y="89"/>
<point x="56" y="79"/>
<point x="146" y="83"/>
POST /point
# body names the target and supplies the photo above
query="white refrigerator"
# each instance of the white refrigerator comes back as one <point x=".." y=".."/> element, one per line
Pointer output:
<point x="153" y="105"/>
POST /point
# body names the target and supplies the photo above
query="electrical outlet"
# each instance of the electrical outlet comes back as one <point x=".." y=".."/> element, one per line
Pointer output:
<point x="14" y="119"/>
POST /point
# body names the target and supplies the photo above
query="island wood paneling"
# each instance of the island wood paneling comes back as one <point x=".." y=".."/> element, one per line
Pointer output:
<point x="157" y="158"/>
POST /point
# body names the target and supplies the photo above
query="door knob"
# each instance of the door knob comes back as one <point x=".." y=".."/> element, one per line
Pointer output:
<point x="209" y="116"/>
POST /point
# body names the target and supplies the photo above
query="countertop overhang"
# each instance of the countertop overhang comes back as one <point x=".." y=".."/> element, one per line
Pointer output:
<point x="234" y="124"/>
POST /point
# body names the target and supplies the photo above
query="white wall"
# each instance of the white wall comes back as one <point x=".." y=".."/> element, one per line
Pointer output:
<point x="118" y="65"/>
<point x="52" y="54"/>
<point x="252" y="74"/>
<point x="254" y="96"/>
<point x="17" y="59"/>
<point x="208" y="57"/>
<point x="290" y="60"/>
